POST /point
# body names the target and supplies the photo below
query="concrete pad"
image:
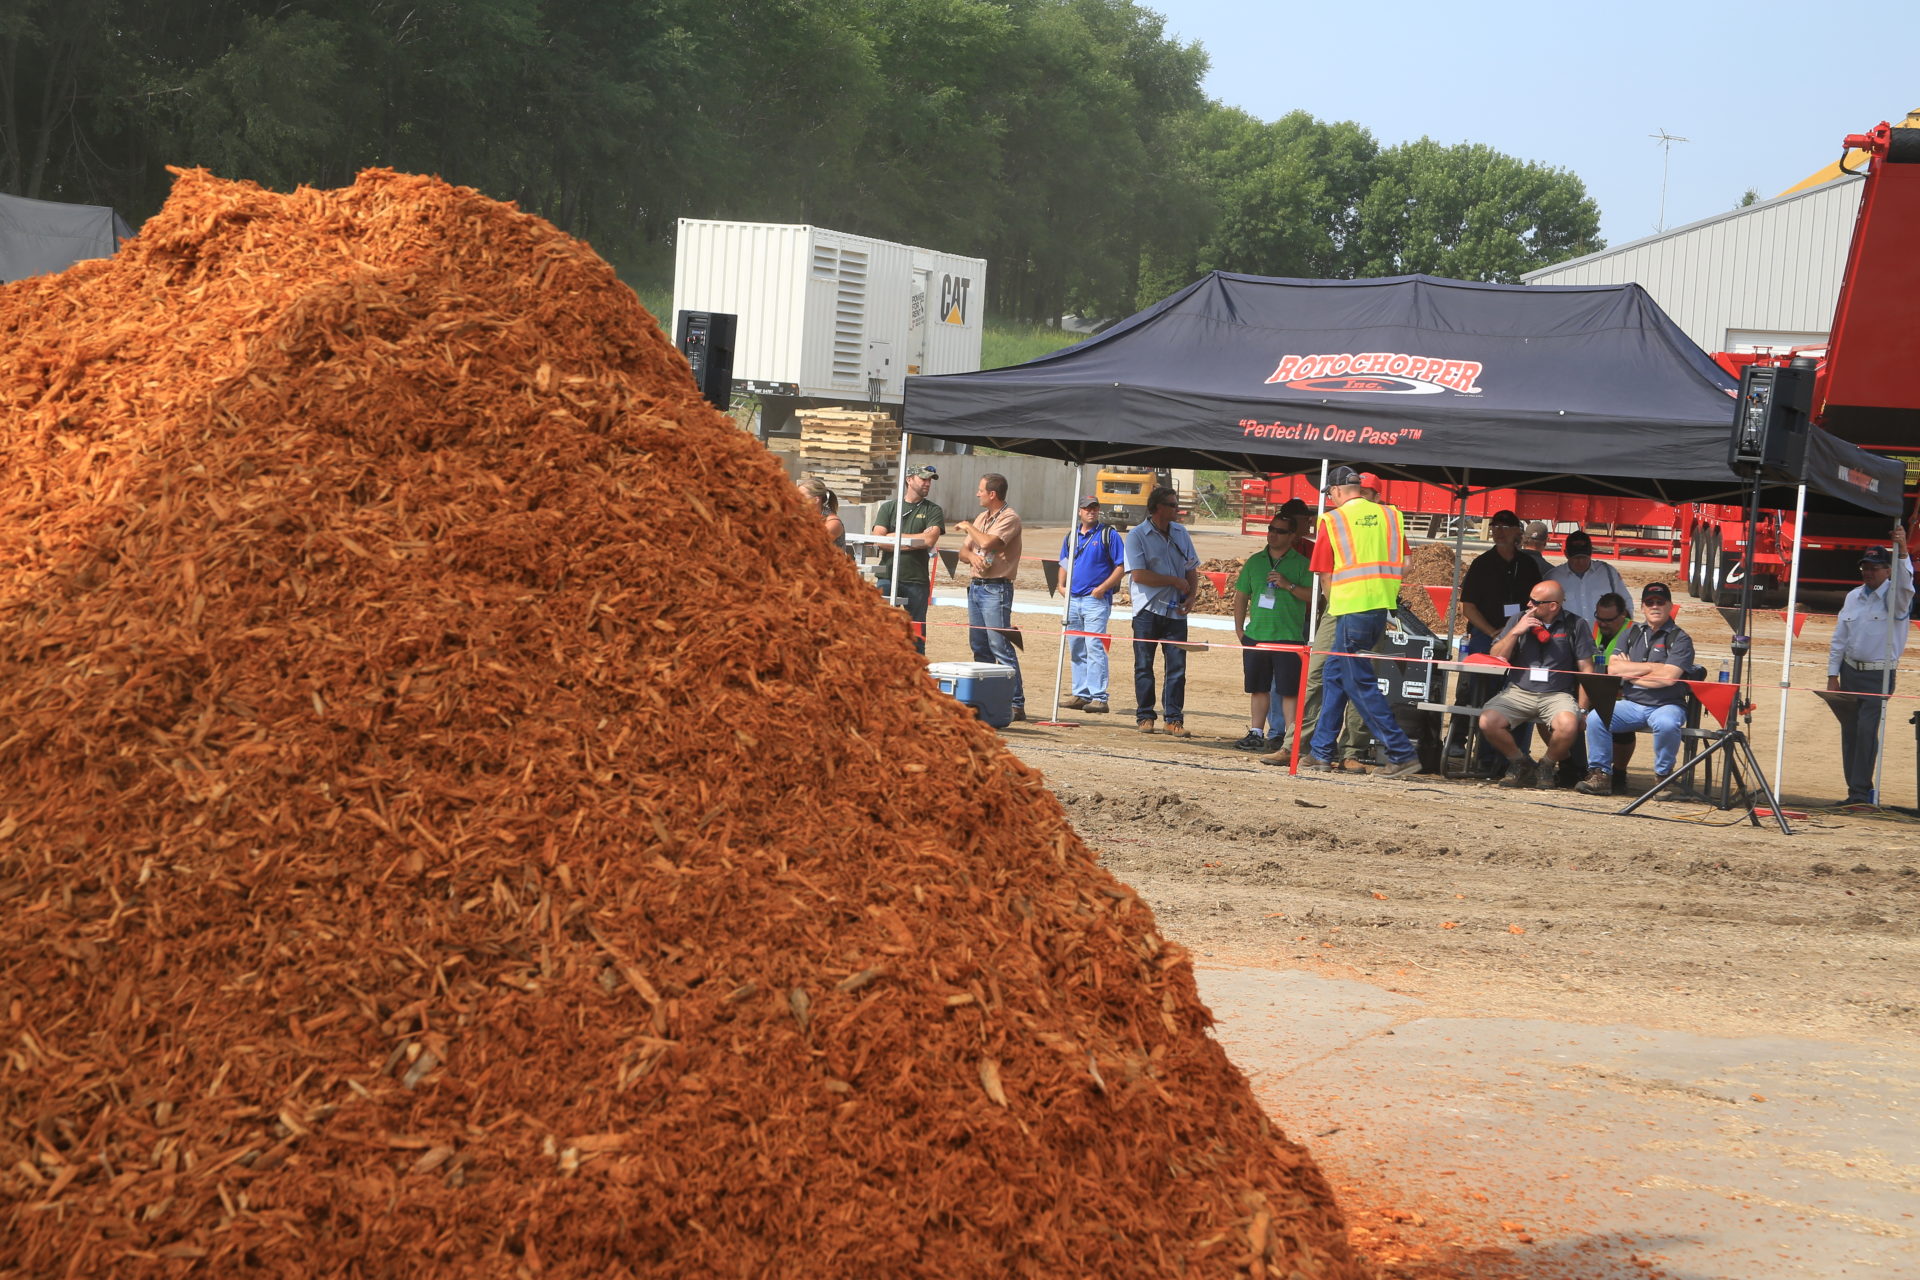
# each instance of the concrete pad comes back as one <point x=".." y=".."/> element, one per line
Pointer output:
<point x="1539" y="1148"/>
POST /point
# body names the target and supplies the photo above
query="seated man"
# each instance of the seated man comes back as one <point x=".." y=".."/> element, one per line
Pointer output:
<point x="1546" y="645"/>
<point x="1654" y="658"/>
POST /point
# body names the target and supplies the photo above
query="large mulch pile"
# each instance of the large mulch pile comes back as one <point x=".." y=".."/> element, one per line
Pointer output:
<point x="436" y="840"/>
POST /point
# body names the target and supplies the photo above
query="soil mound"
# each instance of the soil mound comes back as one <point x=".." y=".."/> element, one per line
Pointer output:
<point x="437" y="838"/>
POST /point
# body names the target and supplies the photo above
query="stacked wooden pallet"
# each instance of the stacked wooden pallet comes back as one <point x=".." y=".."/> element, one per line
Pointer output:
<point x="854" y="450"/>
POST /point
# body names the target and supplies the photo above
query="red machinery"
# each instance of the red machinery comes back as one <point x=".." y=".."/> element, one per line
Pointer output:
<point x="1864" y="391"/>
<point x="1622" y="528"/>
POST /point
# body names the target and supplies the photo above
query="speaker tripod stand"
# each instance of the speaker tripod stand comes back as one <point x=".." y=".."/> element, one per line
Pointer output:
<point x="1731" y="742"/>
<point x="1732" y="746"/>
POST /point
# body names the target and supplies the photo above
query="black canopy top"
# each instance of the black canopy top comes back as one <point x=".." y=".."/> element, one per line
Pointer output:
<point x="1570" y="387"/>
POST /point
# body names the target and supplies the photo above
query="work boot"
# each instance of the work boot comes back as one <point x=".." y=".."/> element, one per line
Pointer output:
<point x="1351" y="765"/>
<point x="1073" y="703"/>
<point x="1095" y="706"/>
<point x="1599" y="783"/>
<point x="1019" y="713"/>
<point x="1520" y="773"/>
<point x="1311" y="764"/>
<point x="1175" y="729"/>
<point x="1144" y="726"/>
<point x="1547" y="778"/>
<point x="1399" y="769"/>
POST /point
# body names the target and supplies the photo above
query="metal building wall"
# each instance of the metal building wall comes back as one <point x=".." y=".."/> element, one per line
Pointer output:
<point x="1772" y="267"/>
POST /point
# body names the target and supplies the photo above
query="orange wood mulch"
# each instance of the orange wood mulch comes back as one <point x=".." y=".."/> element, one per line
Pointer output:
<point x="444" y="833"/>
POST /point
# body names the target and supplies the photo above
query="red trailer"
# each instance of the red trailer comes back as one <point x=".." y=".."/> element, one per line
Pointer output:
<point x="1621" y="527"/>
<point x="1864" y="391"/>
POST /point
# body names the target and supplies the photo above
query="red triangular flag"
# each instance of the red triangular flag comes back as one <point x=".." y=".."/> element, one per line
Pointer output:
<point x="1716" y="696"/>
<point x="1442" y="597"/>
<point x="1797" y="621"/>
<point x="1219" y="581"/>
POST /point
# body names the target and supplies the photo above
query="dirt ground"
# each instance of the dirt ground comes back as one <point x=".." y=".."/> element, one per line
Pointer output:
<point x="1481" y="900"/>
<point x="1460" y="900"/>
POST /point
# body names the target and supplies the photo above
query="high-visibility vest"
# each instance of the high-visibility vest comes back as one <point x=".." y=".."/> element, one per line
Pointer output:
<point x="1603" y="647"/>
<point x="1369" y="557"/>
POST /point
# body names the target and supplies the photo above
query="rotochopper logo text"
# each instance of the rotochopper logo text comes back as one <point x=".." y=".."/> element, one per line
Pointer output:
<point x="1391" y="372"/>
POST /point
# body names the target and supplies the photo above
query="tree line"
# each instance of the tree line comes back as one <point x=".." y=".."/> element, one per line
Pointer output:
<point x="1068" y="142"/>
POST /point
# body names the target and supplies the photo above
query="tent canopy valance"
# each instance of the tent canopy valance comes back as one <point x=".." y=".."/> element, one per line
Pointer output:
<point x="1573" y="388"/>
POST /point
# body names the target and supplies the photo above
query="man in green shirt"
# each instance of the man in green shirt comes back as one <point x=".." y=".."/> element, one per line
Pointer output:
<point x="1270" y="607"/>
<point x="921" y="524"/>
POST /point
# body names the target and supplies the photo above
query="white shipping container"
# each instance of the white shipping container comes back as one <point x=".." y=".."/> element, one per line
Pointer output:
<point x="827" y="315"/>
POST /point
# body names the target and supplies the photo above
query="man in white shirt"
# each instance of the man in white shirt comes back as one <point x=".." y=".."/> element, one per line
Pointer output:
<point x="1868" y="640"/>
<point x="1585" y="579"/>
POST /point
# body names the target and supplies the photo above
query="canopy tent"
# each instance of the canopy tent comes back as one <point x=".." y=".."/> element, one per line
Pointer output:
<point x="40" y="236"/>
<point x="1573" y="388"/>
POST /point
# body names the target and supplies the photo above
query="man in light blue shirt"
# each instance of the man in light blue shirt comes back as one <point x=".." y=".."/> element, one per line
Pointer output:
<point x="1092" y="556"/>
<point x="1868" y="638"/>
<point x="1165" y="572"/>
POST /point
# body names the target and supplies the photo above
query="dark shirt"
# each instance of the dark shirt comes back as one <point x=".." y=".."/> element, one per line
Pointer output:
<point x="1492" y="584"/>
<point x="1670" y="645"/>
<point x="1569" y="640"/>
<point x="921" y="516"/>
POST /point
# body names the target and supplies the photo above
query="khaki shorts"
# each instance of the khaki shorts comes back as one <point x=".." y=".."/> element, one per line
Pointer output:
<point x="1521" y="707"/>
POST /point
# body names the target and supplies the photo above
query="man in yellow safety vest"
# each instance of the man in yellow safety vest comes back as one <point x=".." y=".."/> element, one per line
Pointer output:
<point x="1361" y="555"/>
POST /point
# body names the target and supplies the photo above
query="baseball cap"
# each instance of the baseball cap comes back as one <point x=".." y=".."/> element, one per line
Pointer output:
<point x="1656" y="591"/>
<point x="1877" y="555"/>
<point x="1579" y="544"/>
<point x="925" y="473"/>
<point x="1538" y="529"/>
<point x="1091" y="500"/>
<point x="1341" y="475"/>
<point x="1368" y="480"/>
<point x="1505" y="519"/>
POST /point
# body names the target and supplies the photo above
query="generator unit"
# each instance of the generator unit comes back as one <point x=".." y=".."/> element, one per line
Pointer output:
<point x="827" y="317"/>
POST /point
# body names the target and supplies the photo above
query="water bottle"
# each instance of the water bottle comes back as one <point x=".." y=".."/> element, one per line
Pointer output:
<point x="1723" y="675"/>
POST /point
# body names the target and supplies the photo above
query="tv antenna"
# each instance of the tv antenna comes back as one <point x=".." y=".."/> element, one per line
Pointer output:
<point x="1666" y="141"/>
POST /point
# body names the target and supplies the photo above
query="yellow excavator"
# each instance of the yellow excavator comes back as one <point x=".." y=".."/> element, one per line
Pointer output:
<point x="1123" y="492"/>
<point x="1851" y="160"/>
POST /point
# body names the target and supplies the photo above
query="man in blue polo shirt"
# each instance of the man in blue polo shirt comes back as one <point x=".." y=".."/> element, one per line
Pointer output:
<point x="1655" y="658"/>
<point x="1092" y="559"/>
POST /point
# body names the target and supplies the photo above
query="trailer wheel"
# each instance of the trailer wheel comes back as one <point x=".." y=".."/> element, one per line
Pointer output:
<point x="1697" y="564"/>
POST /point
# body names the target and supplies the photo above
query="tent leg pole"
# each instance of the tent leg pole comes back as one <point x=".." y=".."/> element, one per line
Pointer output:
<point x="1066" y="593"/>
<point x="1459" y="552"/>
<point x="900" y="501"/>
<point x="1786" y="659"/>
<point x="1313" y="599"/>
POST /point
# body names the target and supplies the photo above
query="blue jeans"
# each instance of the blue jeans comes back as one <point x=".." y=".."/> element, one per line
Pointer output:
<point x="1087" y="654"/>
<point x="1665" y="721"/>
<point x="913" y="597"/>
<point x="1352" y="680"/>
<point x="1860" y="730"/>
<point x="1155" y="626"/>
<point x="990" y="604"/>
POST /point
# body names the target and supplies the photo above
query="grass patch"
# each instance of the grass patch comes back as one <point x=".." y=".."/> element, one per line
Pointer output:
<point x="1005" y="344"/>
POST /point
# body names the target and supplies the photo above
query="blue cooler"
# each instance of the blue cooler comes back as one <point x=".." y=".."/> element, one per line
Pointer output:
<point x="987" y="687"/>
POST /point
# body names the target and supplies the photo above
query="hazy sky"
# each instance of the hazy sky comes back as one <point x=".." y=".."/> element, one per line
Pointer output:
<point x="1764" y="91"/>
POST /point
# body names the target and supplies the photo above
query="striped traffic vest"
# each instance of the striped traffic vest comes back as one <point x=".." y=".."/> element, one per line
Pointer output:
<point x="1368" y="557"/>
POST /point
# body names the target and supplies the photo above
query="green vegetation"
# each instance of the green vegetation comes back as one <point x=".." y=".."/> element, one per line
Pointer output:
<point x="1067" y="142"/>
<point x="1005" y="344"/>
